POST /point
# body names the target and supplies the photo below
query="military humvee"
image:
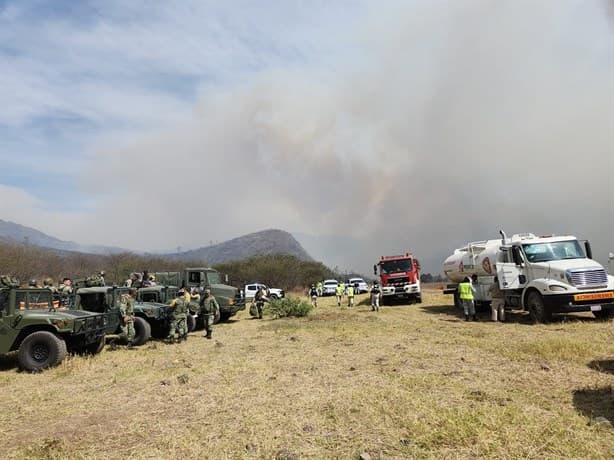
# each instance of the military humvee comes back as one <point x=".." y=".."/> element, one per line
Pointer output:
<point x="150" y="317"/>
<point x="32" y="324"/>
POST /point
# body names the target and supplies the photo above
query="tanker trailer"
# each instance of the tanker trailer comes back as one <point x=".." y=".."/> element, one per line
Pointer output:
<point x="542" y="275"/>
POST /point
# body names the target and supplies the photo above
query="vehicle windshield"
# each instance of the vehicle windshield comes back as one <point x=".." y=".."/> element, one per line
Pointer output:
<point x="214" y="278"/>
<point x="34" y="300"/>
<point x="330" y="283"/>
<point x="393" y="266"/>
<point x="544" y="252"/>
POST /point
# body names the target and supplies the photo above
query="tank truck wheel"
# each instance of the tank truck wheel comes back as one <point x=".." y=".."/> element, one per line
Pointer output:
<point x="537" y="309"/>
<point x="603" y="314"/>
<point x="142" y="331"/>
<point x="96" y="347"/>
<point x="41" y="350"/>
<point x="191" y="322"/>
<point x="419" y="299"/>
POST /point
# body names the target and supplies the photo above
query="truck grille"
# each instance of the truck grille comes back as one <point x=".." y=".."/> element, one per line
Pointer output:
<point x="596" y="277"/>
<point x="399" y="280"/>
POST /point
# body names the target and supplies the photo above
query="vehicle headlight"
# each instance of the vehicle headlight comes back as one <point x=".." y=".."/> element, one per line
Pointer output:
<point x="557" y="288"/>
<point x="60" y="323"/>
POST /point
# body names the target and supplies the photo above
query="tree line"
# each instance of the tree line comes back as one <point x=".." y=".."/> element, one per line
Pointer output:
<point x="32" y="262"/>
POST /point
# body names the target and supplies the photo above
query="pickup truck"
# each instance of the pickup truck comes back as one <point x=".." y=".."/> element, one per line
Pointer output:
<point x="250" y="291"/>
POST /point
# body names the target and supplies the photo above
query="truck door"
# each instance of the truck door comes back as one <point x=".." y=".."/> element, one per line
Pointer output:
<point x="509" y="275"/>
<point x="8" y="319"/>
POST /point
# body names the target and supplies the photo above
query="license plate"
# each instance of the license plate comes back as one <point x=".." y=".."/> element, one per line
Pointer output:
<point x="594" y="296"/>
<point x="595" y="307"/>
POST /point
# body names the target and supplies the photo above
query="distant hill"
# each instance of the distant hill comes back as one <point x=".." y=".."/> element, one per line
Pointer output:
<point x="11" y="232"/>
<point x="264" y="242"/>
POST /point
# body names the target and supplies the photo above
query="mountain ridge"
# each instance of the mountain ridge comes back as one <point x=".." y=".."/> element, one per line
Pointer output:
<point x="270" y="241"/>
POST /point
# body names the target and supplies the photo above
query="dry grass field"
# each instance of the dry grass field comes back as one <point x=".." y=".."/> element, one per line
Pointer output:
<point x="407" y="382"/>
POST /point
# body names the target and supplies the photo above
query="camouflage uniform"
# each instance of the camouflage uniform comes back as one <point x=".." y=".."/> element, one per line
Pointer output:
<point x="209" y="307"/>
<point x="65" y="291"/>
<point x="259" y="300"/>
<point x="126" y="311"/>
<point x="178" y="316"/>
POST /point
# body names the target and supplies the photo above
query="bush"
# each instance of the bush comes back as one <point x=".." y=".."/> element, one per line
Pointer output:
<point x="289" y="306"/>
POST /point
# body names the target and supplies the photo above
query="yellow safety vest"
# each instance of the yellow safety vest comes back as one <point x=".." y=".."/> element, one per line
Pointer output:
<point x="465" y="292"/>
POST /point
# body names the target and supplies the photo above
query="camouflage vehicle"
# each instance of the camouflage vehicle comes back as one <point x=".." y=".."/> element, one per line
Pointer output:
<point x="151" y="318"/>
<point x="229" y="298"/>
<point x="165" y="295"/>
<point x="32" y="324"/>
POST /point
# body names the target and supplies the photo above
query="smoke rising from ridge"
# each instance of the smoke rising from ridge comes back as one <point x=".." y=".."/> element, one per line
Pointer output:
<point x="453" y="121"/>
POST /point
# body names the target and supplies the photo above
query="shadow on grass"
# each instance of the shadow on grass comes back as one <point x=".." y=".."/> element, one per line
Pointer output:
<point x="512" y="317"/>
<point x="595" y="402"/>
<point x="603" y="365"/>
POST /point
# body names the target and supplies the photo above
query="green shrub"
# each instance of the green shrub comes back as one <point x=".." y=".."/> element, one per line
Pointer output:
<point x="289" y="306"/>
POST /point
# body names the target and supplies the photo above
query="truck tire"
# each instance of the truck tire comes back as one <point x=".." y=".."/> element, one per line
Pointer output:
<point x="225" y="316"/>
<point x="191" y="322"/>
<point x="419" y="298"/>
<point x="537" y="309"/>
<point x="142" y="331"/>
<point x="603" y="314"/>
<point x="96" y="347"/>
<point x="40" y="350"/>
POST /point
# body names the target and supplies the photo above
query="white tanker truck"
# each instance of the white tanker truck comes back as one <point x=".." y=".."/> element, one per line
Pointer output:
<point x="544" y="275"/>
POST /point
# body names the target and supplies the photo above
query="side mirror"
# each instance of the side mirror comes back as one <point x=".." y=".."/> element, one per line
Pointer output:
<point x="587" y="248"/>
<point x="375" y="269"/>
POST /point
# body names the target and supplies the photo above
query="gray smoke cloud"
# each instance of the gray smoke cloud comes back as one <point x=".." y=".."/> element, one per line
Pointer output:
<point x="454" y="119"/>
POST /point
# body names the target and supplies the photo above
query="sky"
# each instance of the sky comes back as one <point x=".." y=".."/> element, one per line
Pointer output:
<point x="366" y="128"/>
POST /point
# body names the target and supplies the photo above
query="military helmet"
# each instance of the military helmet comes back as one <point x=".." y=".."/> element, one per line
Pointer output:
<point x="32" y="283"/>
<point x="48" y="282"/>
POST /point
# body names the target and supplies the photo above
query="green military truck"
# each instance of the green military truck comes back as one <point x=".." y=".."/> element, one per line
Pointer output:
<point x="33" y="325"/>
<point x="228" y="297"/>
<point x="151" y="317"/>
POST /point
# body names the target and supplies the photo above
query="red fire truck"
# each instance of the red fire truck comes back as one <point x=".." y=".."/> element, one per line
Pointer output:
<point x="399" y="278"/>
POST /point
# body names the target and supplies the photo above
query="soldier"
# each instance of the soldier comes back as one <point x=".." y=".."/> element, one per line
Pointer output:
<point x="34" y="284"/>
<point x="319" y="288"/>
<point x="209" y="307"/>
<point x="65" y="292"/>
<point x="126" y="311"/>
<point x="48" y="284"/>
<point x="259" y="299"/>
<point x="178" y="318"/>
<point x="350" y="292"/>
<point x="134" y="281"/>
<point x="375" y="292"/>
